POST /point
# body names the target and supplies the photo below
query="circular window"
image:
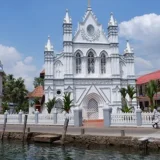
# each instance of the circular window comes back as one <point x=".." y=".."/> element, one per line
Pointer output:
<point x="90" y="29"/>
<point x="58" y="92"/>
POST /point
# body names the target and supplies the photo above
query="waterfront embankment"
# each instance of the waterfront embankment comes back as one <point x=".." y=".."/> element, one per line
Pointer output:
<point x="93" y="141"/>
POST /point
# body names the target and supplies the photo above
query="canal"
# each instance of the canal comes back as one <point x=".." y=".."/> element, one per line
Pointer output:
<point x="16" y="150"/>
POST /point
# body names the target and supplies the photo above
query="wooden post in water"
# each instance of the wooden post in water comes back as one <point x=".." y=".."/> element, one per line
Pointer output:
<point x="24" y="127"/>
<point x="82" y="131"/>
<point x="64" y="130"/>
<point x="122" y="133"/>
<point x="4" y="128"/>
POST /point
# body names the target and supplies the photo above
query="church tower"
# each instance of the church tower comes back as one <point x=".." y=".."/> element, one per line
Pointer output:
<point x="48" y="57"/>
<point x="49" y="73"/>
<point x="67" y="45"/>
<point x="129" y="57"/>
<point x="113" y="35"/>
<point x="68" y="53"/>
<point x="113" y="44"/>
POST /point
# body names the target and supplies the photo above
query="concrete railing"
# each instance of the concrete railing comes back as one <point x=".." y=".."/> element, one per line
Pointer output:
<point x="37" y="118"/>
<point x="123" y="118"/>
<point x="110" y="119"/>
<point x="136" y="118"/>
<point x="147" y="118"/>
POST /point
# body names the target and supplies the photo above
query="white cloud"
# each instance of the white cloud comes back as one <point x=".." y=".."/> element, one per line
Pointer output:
<point x="28" y="60"/>
<point x="144" y="31"/>
<point x="143" y="66"/>
<point x="143" y="28"/>
<point x="20" y="67"/>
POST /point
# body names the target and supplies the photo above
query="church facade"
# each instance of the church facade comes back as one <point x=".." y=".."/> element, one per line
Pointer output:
<point x="90" y="66"/>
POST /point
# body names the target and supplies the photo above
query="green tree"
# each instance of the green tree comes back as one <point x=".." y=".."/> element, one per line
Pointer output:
<point x="126" y="109"/>
<point x="67" y="104"/>
<point x="131" y="92"/>
<point x="151" y="90"/>
<point x="123" y="92"/>
<point x="38" y="82"/>
<point x="4" y="107"/>
<point x="14" y="91"/>
<point x="50" y="104"/>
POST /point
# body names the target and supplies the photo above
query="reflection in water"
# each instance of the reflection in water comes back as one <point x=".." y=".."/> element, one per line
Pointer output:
<point x="13" y="150"/>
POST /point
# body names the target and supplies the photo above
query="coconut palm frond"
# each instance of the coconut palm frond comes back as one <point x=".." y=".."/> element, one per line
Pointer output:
<point x="123" y="92"/>
<point x="50" y="104"/>
<point x="67" y="102"/>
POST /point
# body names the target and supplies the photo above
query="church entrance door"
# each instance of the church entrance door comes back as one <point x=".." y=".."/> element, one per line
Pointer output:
<point x="92" y="109"/>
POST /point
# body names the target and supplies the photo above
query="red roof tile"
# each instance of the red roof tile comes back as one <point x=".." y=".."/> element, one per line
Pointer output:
<point x="146" y="78"/>
<point x="38" y="92"/>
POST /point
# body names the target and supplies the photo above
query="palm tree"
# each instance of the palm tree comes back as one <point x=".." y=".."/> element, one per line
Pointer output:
<point x="131" y="92"/>
<point x="123" y="92"/>
<point x="126" y="109"/>
<point x="67" y="104"/>
<point x="38" y="82"/>
<point x="50" y="104"/>
<point x="151" y="90"/>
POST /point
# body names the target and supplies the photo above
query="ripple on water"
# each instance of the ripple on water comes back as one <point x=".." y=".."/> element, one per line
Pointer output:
<point x="14" y="150"/>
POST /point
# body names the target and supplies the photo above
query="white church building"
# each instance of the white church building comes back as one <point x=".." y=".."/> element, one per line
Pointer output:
<point x="90" y="66"/>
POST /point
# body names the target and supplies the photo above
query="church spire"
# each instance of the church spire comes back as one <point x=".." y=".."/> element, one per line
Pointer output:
<point x="128" y="48"/>
<point x="89" y="5"/>
<point x="112" y="21"/>
<point x="67" y="19"/>
<point x="49" y="46"/>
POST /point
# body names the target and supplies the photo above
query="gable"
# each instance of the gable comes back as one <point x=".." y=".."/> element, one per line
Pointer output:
<point x="90" y="31"/>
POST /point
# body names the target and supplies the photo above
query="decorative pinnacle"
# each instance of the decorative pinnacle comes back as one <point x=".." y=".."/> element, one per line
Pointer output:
<point x="112" y="21"/>
<point x="67" y="19"/>
<point x="128" y="48"/>
<point x="48" y="46"/>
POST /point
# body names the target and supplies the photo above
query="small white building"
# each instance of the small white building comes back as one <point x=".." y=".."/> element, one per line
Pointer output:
<point x="1" y="86"/>
<point x="90" y="66"/>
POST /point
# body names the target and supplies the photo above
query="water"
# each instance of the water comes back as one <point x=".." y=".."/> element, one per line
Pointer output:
<point x="17" y="151"/>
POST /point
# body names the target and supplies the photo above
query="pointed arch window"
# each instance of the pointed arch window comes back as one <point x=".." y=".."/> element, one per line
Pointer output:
<point x="103" y="63"/>
<point x="78" y="63"/>
<point x="91" y="63"/>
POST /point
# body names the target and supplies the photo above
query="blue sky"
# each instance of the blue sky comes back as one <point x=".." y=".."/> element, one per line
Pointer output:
<point x="25" y="25"/>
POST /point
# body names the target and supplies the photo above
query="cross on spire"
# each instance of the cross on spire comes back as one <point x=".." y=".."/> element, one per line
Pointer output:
<point x="89" y="4"/>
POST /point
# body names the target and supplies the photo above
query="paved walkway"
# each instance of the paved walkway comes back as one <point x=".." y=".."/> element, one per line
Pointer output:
<point x="112" y="131"/>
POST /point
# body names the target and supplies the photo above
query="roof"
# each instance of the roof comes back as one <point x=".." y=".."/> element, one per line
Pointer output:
<point x="37" y="92"/>
<point x="147" y="77"/>
<point x="42" y="72"/>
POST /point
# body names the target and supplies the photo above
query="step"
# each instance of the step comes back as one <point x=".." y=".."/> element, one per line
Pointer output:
<point x="46" y="138"/>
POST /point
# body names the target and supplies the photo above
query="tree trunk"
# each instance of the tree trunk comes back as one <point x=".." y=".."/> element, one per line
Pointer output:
<point x="131" y="102"/>
<point x="151" y="102"/>
<point x="64" y="130"/>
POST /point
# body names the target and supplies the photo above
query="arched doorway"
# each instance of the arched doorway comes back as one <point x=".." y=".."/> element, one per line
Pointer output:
<point x="92" y="109"/>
